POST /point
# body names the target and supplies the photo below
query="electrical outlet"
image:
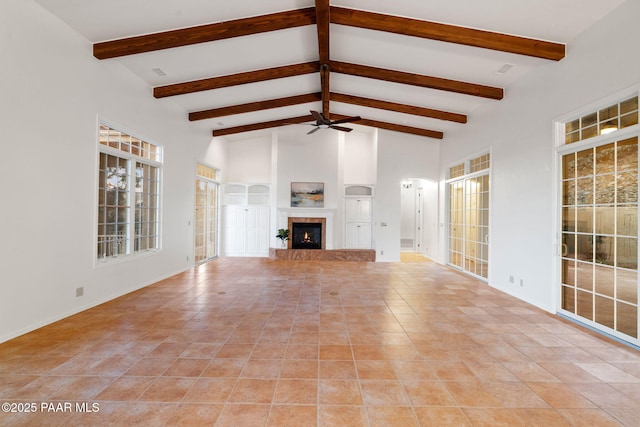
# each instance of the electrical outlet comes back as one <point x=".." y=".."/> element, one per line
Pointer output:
<point x="381" y="252"/>
<point x="510" y="279"/>
<point x="79" y="291"/>
<point x="521" y="282"/>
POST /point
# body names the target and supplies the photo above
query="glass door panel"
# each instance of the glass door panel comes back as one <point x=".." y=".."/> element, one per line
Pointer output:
<point x="200" y="252"/>
<point x="206" y="220"/>
<point x="600" y="235"/>
<point x="456" y="223"/>
<point x="469" y="225"/>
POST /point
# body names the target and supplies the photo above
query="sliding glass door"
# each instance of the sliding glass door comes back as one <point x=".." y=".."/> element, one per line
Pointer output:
<point x="469" y="216"/>
<point x="599" y="259"/>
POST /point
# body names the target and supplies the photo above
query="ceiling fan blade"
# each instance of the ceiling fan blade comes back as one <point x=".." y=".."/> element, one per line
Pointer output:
<point x="342" y="128"/>
<point x="346" y="120"/>
<point x="318" y="117"/>
<point x="313" y="130"/>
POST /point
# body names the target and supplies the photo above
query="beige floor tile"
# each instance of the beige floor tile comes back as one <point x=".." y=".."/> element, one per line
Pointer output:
<point x="342" y="416"/>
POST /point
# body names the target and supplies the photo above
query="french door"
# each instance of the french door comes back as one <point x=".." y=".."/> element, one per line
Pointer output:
<point x="206" y="216"/>
<point x="469" y="218"/>
<point x="599" y="259"/>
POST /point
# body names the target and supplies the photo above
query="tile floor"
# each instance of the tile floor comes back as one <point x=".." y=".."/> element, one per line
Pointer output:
<point x="256" y="342"/>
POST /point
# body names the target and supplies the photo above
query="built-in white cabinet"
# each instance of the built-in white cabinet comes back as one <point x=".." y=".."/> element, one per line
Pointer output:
<point x="357" y="209"/>
<point x="358" y="235"/>
<point x="245" y="219"/>
<point x="358" y="213"/>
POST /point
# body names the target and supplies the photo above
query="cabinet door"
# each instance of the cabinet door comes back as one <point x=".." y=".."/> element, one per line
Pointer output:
<point x="351" y="235"/>
<point x="358" y="235"/>
<point x="358" y="209"/>
<point x="364" y="235"/>
<point x="257" y="230"/>
<point x="234" y="233"/>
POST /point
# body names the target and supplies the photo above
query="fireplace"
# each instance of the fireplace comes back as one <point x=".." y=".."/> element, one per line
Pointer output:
<point x="307" y="233"/>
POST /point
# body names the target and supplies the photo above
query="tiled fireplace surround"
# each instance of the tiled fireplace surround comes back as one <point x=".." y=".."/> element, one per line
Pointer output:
<point x="307" y="220"/>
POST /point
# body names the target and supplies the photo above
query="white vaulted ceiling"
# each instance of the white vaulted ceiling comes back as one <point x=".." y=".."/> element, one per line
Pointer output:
<point x="558" y="21"/>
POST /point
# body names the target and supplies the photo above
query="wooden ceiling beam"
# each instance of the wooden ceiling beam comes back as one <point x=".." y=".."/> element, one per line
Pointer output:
<point x="399" y="108"/>
<point x="236" y="79"/>
<point x="337" y="97"/>
<point x="263" y="125"/>
<point x="308" y="118"/>
<point x="448" y="33"/>
<point x="417" y="80"/>
<point x="254" y="106"/>
<point x="395" y="127"/>
<point x="322" y="25"/>
<point x="401" y="128"/>
<point x="204" y="33"/>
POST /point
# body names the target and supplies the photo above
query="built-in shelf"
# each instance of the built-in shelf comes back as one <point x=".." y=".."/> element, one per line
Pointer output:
<point x="246" y="194"/>
<point x="358" y="190"/>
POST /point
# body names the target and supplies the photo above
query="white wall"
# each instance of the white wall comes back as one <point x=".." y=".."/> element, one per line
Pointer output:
<point x="360" y="154"/>
<point x="309" y="158"/>
<point x="518" y="129"/>
<point x="430" y="220"/>
<point x="400" y="157"/>
<point x="249" y="160"/>
<point x="53" y="93"/>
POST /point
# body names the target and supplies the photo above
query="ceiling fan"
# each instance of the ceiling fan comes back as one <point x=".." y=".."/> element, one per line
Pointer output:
<point x="323" y="123"/>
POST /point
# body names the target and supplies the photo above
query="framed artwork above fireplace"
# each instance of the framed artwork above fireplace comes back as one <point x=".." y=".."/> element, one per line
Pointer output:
<point x="307" y="194"/>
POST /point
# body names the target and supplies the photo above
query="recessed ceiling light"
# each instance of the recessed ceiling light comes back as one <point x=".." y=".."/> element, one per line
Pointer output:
<point x="159" y="71"/>
<point x="504" y="69"/>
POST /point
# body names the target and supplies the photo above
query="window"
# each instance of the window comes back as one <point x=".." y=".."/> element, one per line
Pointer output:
<point x="603" y="121"/>
<point x="128" y="195"/>
<point x="456" y="171"/>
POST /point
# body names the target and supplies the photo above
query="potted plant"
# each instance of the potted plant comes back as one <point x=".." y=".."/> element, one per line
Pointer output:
<point x="283" y="235"/>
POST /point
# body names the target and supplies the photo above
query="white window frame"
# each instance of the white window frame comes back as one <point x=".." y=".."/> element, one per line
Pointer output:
<point x="130" y="252"/>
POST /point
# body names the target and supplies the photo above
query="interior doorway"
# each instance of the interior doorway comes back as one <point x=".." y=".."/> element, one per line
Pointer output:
<point x="412" y="217"/>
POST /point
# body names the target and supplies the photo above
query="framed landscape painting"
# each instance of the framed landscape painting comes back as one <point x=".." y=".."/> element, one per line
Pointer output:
<point x="307" y="194"/>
